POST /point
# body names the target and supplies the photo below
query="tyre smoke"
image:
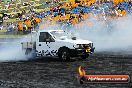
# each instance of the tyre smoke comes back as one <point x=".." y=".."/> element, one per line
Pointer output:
<point x="114" y="35"/>
<point x="11" y="50"/>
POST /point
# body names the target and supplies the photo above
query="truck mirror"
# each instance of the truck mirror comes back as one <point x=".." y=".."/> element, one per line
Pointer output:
<point x="74" y="38"/>
<point x="50" y="40"/>
<point x="47" y="40"/>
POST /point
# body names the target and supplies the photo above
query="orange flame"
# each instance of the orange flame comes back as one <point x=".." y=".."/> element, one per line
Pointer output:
<point x="81" y="71"/>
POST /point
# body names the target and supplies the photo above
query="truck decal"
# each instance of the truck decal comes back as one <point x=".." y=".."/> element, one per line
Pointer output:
<point x="46" y="53"/>
<point x="48" y="45"/>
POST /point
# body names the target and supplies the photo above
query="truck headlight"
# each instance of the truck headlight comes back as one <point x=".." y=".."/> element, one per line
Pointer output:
<point x="76" y="46"/>
<point x="80" y="46"/>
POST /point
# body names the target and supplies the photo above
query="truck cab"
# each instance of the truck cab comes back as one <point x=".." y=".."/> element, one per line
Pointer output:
<point x="58" y="43"/>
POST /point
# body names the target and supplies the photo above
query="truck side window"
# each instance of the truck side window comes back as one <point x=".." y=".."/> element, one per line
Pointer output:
<point x="45" y="37"/>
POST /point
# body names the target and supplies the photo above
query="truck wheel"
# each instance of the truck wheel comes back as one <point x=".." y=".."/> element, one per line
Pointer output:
<point x="64" y="54"/>
<point x="84" y="57"/>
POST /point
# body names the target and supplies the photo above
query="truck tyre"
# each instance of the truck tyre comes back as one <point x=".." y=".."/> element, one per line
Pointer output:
<point x="84" y="57"/>
<point x="64" y="54"/>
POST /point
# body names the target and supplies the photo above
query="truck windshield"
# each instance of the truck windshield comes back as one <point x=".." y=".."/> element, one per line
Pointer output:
<point x="60" y="34"/>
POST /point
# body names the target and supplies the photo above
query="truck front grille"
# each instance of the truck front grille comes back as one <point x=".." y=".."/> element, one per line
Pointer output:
<point x="85" y="46"/>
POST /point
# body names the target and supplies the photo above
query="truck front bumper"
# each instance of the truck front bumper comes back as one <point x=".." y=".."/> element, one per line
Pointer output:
<point x="81" y="52"/>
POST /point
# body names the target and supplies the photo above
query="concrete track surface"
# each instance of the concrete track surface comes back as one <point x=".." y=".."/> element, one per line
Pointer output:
<point x="53" y="73"/>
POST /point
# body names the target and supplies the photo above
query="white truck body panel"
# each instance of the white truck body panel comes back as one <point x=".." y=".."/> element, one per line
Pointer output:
<point x="44" y="47"/>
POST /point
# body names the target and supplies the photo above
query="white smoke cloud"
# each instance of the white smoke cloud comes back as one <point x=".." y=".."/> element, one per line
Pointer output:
<point x="12" y="50"/>
<point x="116" y="38"/>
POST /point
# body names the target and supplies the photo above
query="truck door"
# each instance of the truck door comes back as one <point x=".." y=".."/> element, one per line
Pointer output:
<point x="44" y="45"/>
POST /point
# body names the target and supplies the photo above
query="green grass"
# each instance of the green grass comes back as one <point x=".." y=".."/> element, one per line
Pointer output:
<point x="11" y="20"/>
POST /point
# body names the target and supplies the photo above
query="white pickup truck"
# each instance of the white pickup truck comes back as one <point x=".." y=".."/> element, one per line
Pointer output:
<point x="58" y="43"/>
